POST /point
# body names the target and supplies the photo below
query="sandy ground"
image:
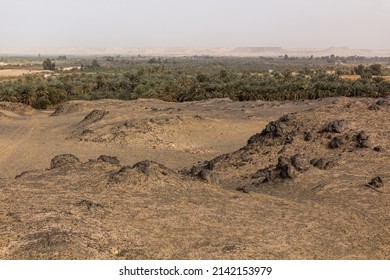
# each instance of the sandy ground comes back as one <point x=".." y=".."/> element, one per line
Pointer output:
<point x="7" y="73"/>
<point x="175" y="134"/>
<point x="214" y="179"/>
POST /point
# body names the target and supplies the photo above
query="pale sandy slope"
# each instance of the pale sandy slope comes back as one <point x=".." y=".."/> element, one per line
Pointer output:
<point x="175" y="134"/>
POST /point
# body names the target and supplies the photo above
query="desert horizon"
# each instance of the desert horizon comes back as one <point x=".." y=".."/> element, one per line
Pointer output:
<point x="191" y="51"/>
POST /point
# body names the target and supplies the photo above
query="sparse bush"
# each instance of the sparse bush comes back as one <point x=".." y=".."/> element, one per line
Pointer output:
<point x="41" y="103"/>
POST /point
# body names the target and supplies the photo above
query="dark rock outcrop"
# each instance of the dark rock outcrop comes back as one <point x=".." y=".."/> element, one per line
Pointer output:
<point x="280" y="131"/>
<point x="286" y="168"/>
<point x="337" y="126"/>
<point x="109" y="159"/>
<point x="151" y="168"/>
<point x="376" y="182"/>
<point x="339" y="141"/>
<point x="323" y="163"/>
<point x="64" y="160"/>
<point x="361" y="140"/>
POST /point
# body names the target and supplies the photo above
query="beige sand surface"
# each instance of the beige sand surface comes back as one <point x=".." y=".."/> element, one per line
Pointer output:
<point x="7" y="73"/>
<point x="182" y="180"/>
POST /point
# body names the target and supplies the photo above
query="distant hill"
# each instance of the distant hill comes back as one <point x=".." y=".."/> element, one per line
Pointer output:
<point x="259" y="50"/>
<point x="277" y="51"/>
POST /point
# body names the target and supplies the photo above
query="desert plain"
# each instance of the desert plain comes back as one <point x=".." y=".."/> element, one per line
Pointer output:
<point x="212" y="179"/>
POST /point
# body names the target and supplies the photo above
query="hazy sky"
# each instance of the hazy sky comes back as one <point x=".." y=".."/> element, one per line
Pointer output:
<point x="195" y="23"/>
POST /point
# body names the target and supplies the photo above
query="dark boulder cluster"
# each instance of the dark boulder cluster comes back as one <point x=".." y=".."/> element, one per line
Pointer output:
<point x="339" y="141"/>
<point x="377" y="105"/>
<point x="357" y="140"/>
<point x="283" y="130"/>
<point x="205" y="172"/>
<point x="361" y="140"/>
<point x="337" y="126"/>
<point x="286" y="168"/>
<point x="323" y="163"/>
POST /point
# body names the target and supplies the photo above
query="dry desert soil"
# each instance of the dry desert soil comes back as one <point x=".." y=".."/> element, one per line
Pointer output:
<point x="214" y="179"/>
<point x="8" y="73"/>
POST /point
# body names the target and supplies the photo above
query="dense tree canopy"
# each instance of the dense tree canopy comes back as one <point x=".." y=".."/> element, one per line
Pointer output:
<point x="187" y="79"/>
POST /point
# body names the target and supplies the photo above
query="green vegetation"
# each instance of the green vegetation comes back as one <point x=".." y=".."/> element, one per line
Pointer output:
<point x="369" y="71"/>
<point x="48" y="65"/>
<point x="197" y="78"/>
